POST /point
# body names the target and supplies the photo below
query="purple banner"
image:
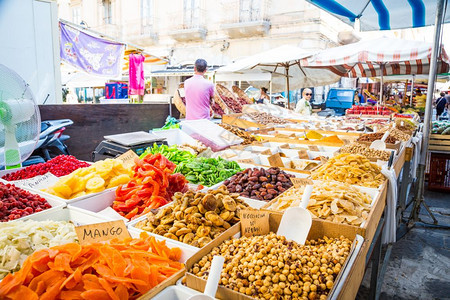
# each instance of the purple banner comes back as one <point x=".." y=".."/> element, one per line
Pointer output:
<point x="91" y="54"/>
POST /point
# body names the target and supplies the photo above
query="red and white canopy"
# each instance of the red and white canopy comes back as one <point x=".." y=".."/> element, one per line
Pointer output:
<point x="365" y="58"/>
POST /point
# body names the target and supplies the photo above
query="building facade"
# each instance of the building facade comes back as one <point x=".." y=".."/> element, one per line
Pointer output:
<point x="219" y="31"/>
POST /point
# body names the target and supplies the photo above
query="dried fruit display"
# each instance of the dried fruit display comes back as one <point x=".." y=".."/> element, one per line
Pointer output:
<point x="217" y="109"/>
<point x="356" y="148"/>
<point x="21" y="238"/>
<point x="16" y="203"/>
<point x="370" y="137"/>
<point x="207" y="171"/>
<point x="241" y="95"/>
<point x="229" y="99"/>
<point x="264" y="118"/>
<point x="153" y="183"/>
<point x="195" y="218"/>
<point x="333" y="201"/>
<point x="248" y="138"/>
<point x="96" y="178"/>
<point x="397" y="134"/>
<point x="119" y="269"/>
<point x="58" y="166"/>
<point x="354" y="169"/>
<point x="271" y="267"/>
<point x="259" y="184"/>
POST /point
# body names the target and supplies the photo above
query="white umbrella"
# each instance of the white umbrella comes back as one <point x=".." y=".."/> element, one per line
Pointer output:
<point x="284" y="65"/>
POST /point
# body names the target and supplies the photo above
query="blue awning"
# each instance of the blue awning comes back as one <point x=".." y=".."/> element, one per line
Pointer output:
<point x="383" y="14"/>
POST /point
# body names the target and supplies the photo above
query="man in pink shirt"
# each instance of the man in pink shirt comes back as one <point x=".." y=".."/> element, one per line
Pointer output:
<point x="199" y="92"/>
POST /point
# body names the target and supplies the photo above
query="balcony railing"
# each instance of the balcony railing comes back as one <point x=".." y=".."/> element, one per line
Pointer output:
<point x="245" y="17"/>
<point x="140" y="31"/>
<point x="188" y="25"/>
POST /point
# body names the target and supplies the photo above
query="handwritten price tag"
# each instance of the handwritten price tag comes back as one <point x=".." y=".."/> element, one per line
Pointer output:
<point x="38" y="182"/>
<point x="303" y="154"/>
<point x="275" y="160"/>
<point x="254" y="222"/>
<point x="313" y="148"/>
<point x="246" y="161"/>
<point x="346" y="141"/>
<point x="101" y="232"/>
<point x="284" y="146"/>
<point x="266" y="152"/>
<point x="298" y="182"/>
<point x="128" y="158"/>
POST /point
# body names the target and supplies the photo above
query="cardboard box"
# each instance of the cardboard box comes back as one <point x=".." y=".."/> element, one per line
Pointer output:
<point x="347" y="277"/>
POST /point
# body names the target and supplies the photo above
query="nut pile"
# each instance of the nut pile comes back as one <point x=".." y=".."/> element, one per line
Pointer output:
<point x="248" y="138"/>
<point x="356" y="148"/>
<point x="265" y="118"/>
<point x="397" y="134"/>
<point x="370" y="137"/>
<point x="408" y="124"/>
<point x="259" y="184"/>
<point x="271" y="267"/>
<point x="354" y="169"/>
<point x="195" y="218"/>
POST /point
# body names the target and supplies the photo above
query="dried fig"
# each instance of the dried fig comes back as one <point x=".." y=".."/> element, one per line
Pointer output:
<point x="210" y="203"/>
<point x="229" y="203"/>
<point x="214" y="218"/>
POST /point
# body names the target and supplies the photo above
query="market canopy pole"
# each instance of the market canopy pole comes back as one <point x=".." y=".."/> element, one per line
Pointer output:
<point x="287" y="87"/>
<point x="418" y="197"/>
<point x="412" y="89"/>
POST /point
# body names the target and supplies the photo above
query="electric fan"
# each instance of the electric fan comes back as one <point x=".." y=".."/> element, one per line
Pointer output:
<point x="19" y="119"/>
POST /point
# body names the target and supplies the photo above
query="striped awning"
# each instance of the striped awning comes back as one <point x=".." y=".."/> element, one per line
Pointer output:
<point x="368" y="58"/>
<point x="383" y="14"/>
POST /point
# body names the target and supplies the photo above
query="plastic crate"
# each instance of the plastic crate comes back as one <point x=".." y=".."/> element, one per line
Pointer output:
<point x="439" y="178"/>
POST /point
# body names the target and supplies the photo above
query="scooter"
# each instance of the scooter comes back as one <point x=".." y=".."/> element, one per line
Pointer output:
<point x="51" y="141"/>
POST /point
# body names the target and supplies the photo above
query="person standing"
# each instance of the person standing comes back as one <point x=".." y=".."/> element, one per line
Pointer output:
<point x="421" y="99"/>
<point x="303" y="106"/>
<point x="263" y="98"/>
<point x="441" y="102"/>
<point x="199" y="93"/>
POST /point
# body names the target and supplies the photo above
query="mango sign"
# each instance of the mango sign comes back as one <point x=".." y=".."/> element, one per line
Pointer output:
<point x="100" y="232"/>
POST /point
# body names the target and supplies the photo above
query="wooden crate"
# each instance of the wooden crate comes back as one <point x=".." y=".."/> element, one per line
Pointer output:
<point x="439" y="142"/>
<point x="318" y="230"/>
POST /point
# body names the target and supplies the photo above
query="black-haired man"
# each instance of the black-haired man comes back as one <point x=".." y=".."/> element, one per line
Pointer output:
<point x="199" y="93"/>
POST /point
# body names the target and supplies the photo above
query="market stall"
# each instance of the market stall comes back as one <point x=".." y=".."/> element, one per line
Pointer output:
<point x="212" y="190"/>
